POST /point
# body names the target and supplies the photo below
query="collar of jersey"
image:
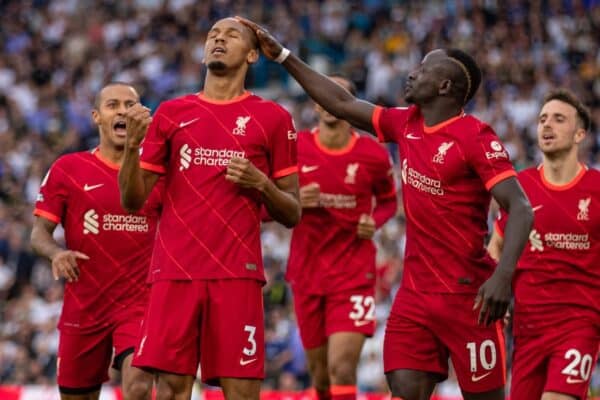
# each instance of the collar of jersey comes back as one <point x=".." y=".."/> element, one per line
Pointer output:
<point x="336" y="152"/>
<point x="105" y="161"/>
<point x="236" y="99"/>
<point x="438" y="126"/>
<point x="567" y="185"/>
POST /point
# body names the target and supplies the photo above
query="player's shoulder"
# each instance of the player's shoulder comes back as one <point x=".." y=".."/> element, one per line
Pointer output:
<point x="410" y="111"/>
<point x="176" y="102"/>
<point x="470" y="124"/>
<point x="592" y="177"/>
<point x="74" y="158"/>
<point x="369" y="144"/>
<point x="271" y="108"/>
<point x="529" y="175"/>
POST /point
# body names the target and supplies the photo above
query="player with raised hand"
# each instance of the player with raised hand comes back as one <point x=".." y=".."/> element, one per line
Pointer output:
<point x="451" y="163"/>
<point x="106" y="258"/>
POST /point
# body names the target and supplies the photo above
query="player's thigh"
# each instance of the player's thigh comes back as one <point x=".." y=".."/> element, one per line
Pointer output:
<point x="316" y="358"/>
<point x="412" y="384"/>
<point x="351" y="311"/>
<point x="477" y="352"/>
<point x="83" y="361"/>
<point x="409" y="343"/>
<point x="529" y="368"/>
<point x="136" y="383"/>
<point x="559" y="396"/>
<point x="233" y="340"/>
<point x="310" y="317"/>
<point x="240" y="389"/>
<point x="170" y="333"/>
<point x="572" y="361"/>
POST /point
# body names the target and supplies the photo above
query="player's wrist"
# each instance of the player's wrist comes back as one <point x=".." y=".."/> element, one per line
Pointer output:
<point x="283" y="55"/>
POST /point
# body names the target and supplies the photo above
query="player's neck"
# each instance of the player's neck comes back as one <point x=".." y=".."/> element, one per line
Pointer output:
<point x="436" y="112"/>
<point x="334" y="137"/>
<point x="561" y="170"/>
<point x="223" y="88"/>
<point x="112" y="155"/>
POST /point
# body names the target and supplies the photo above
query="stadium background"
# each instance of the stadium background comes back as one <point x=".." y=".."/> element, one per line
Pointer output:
<point x="56" y="54"/>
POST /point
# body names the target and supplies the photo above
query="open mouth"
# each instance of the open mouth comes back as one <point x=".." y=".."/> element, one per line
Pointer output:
<point x="120" y="128"/>
<point x="218" y="50"/>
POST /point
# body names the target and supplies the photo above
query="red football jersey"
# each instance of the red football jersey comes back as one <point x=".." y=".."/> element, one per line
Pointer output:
<point x="326" y="254"/>
<point x="81" y="193"/>
<point x="210" y="227"/>
<point x="558" y="274"/>
<point x="447" y="172"/>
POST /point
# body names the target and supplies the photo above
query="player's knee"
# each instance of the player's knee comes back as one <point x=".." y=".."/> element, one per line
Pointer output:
<point x="138" y="390"/>
<point x="557" y="396"/>
<point x="406" y="389"/>
<point x="342" y="372"/>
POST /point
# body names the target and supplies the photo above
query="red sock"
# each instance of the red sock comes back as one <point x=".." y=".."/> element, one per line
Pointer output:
<point x="343" y="392"/>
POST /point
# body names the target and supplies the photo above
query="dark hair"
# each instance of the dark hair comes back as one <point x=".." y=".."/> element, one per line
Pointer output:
<point x="566" y="96"/>
<point x="114" y="83"/>
<point x="471" y="73"/>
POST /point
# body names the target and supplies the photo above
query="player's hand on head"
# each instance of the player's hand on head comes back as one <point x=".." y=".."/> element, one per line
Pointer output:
<point x="137" y="119"/>
<point x="493" y="298"/>
<point x="270" y="46"/>
<point x="64" y="265"/>
<point x="245" y="174"/>
<point x="366" y="227"/>
<point x="309" y="195"/>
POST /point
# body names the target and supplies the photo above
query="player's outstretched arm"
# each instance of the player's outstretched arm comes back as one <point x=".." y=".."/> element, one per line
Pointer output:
<point x="280" y="197"/>
<point x="135" y="183"/>
<point x="495" y="294"/>
<point x="331" y="96"/>
<point x="64" y="262"/>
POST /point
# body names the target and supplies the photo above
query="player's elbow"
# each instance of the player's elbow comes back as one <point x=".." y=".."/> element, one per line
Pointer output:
<point x="291" y="217"/>
<point x="525" y="213"/>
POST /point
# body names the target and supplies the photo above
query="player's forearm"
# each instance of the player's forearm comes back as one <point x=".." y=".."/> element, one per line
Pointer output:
<point x="283" y="207"/>
<point x="43" y="244"/>
<point x="131" y="181"/>
<point x="331" y="96"/>
<point x="384" y="210"/>
<point x="516" y="233"/>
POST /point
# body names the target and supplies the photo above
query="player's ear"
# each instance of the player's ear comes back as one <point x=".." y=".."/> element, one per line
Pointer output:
<point x="96" y="116"/>
<point x="579" y="135"/>
<point x="252" y="56"/>
<point x="445" y="87"/>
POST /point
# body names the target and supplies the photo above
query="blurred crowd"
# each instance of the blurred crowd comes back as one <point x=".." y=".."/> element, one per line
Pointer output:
<point x="57" y="54"/>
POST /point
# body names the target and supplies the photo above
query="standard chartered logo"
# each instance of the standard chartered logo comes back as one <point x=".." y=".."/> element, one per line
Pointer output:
<point x="560" y="241"/>
<point x="114" y="222"/>
<point x="186" y="156"/>
<point x="90" y="222"/>
<point x="419" y="181"/>
<point x="205" y="156"/>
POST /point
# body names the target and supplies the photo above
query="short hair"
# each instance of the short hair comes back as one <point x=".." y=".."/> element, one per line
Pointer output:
<point x="471" y="72"/>
<point x="113" y="83"/>
<point x="567" y="96"/>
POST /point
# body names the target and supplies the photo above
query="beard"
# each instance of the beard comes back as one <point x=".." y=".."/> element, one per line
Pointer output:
<point x="217" y="67"/>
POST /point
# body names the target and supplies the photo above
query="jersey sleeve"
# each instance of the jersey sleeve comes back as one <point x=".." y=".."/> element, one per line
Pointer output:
<point x="52" y="198"/>
<point x="488" y="157"/>
<point x="282" y="147"/>
<point x="389" y="122"/>
<point x="154" y="148"/>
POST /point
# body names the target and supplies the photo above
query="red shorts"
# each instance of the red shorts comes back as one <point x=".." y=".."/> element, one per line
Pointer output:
<point x="83" y="359"/>
<point x="558" y="361"/>
<point x="217" y="323"/>
<point x="425" y="329"/>
<point x="319" y="316"/>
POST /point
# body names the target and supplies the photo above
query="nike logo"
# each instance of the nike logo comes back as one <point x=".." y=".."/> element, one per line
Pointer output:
<point x="537" y="207"/>
<point x="246" y="362"/>
<point x="305" y="169"/>
<point x="362" y="323"/>
<point x="476" y="378"/>
<point x="413" y="136"/>
<point x="183" y="124"/>
<point x="572" y="380"/>
<point x="87" y="188"/>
